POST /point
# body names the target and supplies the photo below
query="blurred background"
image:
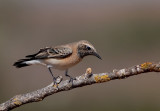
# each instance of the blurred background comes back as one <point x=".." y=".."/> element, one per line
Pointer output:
<point x="125" y="33"/>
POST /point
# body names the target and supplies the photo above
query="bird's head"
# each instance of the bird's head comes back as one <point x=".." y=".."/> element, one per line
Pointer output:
<point x="85" y="48"/>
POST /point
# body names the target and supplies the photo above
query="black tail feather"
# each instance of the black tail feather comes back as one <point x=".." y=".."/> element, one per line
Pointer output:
<point x="21" y="63"/>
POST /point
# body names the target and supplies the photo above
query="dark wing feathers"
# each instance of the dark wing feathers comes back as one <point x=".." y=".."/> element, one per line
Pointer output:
<point x="49" y="52"/>
<point x="40" y="51"/>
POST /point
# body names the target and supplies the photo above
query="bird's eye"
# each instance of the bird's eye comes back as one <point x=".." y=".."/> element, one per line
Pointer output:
<point x="88" y="48"/>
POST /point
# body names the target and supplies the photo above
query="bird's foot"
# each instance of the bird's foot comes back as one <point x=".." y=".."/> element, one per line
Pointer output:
<point x="71" y="80"/>
<point x="57" y="80"/>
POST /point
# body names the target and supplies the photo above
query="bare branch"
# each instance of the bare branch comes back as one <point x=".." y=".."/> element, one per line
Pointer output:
<point x="86" y="79"/>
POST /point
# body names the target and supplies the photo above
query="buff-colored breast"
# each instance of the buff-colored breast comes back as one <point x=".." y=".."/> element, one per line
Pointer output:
<point x="64" y="63"/>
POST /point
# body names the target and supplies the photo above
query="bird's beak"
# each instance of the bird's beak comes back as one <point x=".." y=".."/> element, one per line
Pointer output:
<point x="97" y="55"/>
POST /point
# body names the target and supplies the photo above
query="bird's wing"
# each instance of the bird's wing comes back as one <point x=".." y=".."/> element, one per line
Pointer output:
<point x="49" y="52"/>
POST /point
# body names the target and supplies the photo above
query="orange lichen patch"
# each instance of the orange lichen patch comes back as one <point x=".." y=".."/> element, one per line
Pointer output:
<point x="102" y="78"/>
<point x="17" y="102"/>
<point x="55" y="85"/>
<point x="89" y="71"/>
<point x="146" y="65"/>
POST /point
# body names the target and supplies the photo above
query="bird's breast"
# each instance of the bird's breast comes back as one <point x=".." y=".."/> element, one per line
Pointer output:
<point x="63" y="63"/>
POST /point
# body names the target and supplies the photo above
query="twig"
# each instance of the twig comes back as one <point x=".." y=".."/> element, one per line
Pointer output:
<point x="86" y="79"/>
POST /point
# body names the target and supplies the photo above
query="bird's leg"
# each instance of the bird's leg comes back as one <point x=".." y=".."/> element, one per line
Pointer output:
<point x="54" y="78"/>
<point x="71" y="79"/>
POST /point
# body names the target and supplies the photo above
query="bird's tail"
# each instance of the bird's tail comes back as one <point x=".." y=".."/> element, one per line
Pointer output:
<point x="26" y="62"/>
<point x="22" y="63"/>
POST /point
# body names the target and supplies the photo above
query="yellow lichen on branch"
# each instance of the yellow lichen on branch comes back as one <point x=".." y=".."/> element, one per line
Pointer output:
<point x="101" y="78"/>
<point x="17" y="102"/>
<point x="146" y="65"/>
<point x="86" y="79"/>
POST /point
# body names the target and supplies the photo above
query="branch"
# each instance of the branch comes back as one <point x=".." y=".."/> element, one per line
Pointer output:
<point x="86" y="79"/>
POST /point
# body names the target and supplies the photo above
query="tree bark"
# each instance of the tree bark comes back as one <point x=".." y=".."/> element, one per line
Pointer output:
<point x="86" y="79"/>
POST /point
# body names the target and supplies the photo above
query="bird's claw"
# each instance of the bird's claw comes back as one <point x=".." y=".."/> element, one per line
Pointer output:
<point x="55" y="83"/>
<point x="71" y="80"/>
<point x="57" y="80"/>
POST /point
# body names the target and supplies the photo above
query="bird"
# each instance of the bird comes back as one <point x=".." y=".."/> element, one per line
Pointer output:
<point x="60" y="57"/>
